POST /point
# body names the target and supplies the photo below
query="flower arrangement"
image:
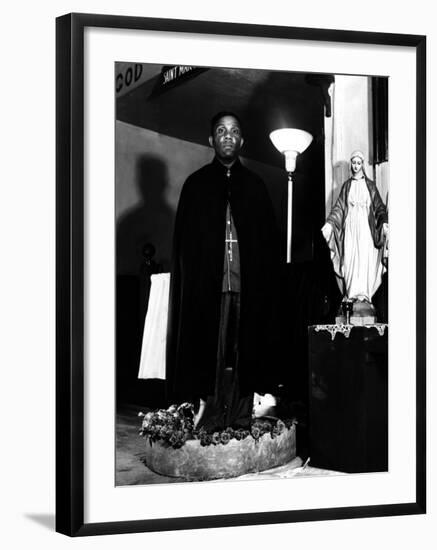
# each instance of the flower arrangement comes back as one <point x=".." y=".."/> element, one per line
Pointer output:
<point x="175" y="425"/>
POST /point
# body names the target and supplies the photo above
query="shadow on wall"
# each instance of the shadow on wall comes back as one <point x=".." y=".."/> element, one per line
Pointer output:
<point x="341" y="173"/>
<point x="150" y="221"/>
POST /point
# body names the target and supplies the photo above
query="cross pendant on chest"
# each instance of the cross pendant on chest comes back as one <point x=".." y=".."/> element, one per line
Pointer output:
<point x="229" y="241"/>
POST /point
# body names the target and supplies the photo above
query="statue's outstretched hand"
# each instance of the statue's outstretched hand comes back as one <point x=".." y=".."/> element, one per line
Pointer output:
<point x="327" y="231"/>
<point x="385" y="233"/>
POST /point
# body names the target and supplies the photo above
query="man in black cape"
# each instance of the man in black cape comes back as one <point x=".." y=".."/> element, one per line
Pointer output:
<point x="223" y="310"/>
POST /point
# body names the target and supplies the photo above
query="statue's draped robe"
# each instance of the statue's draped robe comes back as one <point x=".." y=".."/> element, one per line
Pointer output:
<point x="196" y="305"/>
<point x="357" y="239"/>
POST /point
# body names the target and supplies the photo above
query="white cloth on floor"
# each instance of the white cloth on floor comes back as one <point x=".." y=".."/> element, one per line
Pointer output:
<point x="152" y="362"/>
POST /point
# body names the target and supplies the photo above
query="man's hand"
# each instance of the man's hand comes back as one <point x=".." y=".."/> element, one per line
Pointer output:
<point x="200" y="412"/>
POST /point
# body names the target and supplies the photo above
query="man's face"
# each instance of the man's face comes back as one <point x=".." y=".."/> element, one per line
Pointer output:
<point x="227" y="139"/>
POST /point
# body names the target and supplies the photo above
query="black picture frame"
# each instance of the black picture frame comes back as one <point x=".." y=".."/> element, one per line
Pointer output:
<point x="70" y="273"/>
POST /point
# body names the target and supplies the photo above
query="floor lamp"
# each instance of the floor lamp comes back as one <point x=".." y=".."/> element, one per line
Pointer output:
<point x="290" y="142"/>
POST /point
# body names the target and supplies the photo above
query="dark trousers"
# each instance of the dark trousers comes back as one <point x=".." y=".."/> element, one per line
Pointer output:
<point x="227" y="407"/>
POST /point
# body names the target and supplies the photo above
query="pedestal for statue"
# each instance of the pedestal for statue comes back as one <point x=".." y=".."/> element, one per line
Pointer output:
<point x="363" y="313"/>
<point x="349" y="397"/>
<point x="194" y="462"/>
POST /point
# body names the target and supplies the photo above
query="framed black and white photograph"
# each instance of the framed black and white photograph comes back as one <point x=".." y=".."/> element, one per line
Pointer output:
<point x="240" y="274"/>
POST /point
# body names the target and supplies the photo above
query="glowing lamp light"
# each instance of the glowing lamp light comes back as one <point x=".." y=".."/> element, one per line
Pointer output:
<point x="290" y="142"/>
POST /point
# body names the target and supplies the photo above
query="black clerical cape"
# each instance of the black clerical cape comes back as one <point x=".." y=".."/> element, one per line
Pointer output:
<point x="197" y="276"/>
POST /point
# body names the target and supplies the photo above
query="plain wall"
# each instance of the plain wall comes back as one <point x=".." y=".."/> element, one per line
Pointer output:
<point x="350" y="129"/>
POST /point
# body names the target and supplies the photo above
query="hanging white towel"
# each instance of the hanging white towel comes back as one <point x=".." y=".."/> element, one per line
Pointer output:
<point x="152" y="362"/>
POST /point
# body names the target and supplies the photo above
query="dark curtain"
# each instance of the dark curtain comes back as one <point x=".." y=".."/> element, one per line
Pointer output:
<point x="380" y="119"/>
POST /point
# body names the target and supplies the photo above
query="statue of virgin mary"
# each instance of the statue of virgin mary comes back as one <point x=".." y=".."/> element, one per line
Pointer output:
<point x="357" y="235"/>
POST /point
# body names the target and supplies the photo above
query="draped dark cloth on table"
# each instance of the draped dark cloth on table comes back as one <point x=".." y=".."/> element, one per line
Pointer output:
<point x="196" y="298"/>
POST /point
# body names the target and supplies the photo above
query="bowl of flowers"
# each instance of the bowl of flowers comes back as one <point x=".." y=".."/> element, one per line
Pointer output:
<point x="175" y="448"/>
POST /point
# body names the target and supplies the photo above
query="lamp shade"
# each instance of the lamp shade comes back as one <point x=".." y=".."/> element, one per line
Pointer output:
<point x="290" y="142"/>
